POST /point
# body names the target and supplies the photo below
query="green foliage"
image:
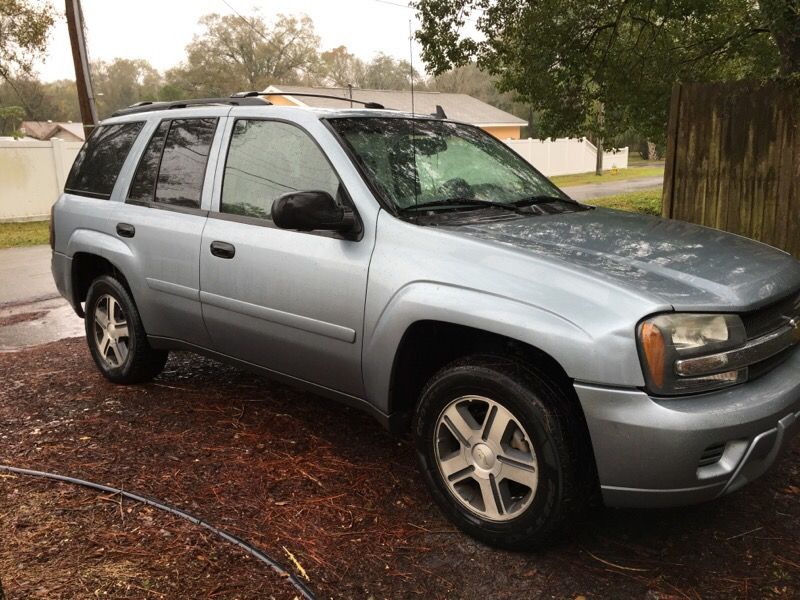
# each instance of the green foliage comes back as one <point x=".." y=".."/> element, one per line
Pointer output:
<point x="647" y="202"/>
<point x="56" y="100"/>
<point x="603" y="67"/>
<point x="24" y="26"/>
<point x="10" y="120"/>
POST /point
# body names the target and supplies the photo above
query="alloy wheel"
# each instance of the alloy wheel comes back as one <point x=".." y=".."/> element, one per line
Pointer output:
<point x="486" y="458"/>
<point x="111" y="331"/>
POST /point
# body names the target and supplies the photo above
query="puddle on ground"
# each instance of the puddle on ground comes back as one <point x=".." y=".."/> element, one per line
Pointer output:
<point x="38" y="322"/>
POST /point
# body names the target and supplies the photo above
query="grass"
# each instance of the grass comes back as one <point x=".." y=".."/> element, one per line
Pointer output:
<point x="646" y="201"/>
<point x="607" y="176"/>
<point x="29" y="233"/>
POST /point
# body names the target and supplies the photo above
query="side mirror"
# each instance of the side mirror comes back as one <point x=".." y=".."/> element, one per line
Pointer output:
<point x="310" y="211"/>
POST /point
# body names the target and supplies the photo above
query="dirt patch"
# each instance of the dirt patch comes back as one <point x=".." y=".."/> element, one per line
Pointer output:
<point x="292" y="472"/>
<point x="21" y="318"/>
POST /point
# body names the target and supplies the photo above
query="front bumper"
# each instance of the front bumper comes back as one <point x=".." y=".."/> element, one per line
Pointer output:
<point x="653" y="452"/>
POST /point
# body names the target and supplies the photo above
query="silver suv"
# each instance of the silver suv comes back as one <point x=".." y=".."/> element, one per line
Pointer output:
<point x="542" y="352"/>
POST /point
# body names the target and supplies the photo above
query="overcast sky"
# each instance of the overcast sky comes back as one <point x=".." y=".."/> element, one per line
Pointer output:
<point x="158" y="30"/>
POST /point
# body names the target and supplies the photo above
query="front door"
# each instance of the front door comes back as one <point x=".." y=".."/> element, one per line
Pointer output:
<point x="290" y="301"/>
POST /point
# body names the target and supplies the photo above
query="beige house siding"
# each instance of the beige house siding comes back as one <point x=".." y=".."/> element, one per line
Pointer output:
<point x="503" y="132"/>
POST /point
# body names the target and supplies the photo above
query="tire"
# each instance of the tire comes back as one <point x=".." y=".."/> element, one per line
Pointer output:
<point x="526" y="506"/>
<point x="119" y="344"/>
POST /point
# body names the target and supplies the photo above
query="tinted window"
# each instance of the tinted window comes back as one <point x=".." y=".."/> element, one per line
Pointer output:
<point x="143" y="186"/>
<point x="97" y="165"/>
<point x="183" y="162"/>
<point x="267" y="159"/>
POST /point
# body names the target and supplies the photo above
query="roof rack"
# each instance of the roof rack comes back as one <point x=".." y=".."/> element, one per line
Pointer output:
<point x="149" y="106"/>
<point x="253" y="94"/>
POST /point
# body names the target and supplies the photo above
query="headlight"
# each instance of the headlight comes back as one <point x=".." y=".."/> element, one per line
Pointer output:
<point x="666" y="339"/>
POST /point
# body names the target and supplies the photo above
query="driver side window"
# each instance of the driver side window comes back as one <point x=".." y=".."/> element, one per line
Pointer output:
<point x="267" y="159"/>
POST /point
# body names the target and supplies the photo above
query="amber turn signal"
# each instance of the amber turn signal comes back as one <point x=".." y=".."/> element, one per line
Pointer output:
<point x="654" y="352"/>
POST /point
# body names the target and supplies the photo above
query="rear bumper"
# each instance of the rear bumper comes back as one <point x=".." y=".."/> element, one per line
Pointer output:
<point x="649" y="450"/>
<point x="61" y="267"/>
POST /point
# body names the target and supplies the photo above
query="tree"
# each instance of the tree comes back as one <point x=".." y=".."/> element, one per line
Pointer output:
<point x="24" y="27"/>
<point x="386" y="73"/>
<point x="604" y="67"/>
<point x="339" y="67"/>
<point x="782" y="18"/>
<point x="56" y="100"/>
<point x="123" y="82"/>
<point x="10" y="119"/>
<point x="236" y="53"/>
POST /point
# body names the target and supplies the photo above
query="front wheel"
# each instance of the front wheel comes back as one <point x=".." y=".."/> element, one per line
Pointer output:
<point x="115" y="334"/>
<point x="493" y="442"/>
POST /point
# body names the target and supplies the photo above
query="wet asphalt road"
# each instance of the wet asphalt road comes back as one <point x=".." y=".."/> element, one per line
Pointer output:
<point x="599" y="190"/>
<point x="31" y="310"/>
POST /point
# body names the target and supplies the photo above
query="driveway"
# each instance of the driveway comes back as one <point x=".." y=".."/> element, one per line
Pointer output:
<point x="612" y="188"/>
<point x="318" y="485"/>
<point x="31" y="310"/>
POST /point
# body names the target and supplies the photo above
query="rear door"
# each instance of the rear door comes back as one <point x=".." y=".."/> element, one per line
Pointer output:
<point x="162" y="220"/>
<point x="290" y="301"/>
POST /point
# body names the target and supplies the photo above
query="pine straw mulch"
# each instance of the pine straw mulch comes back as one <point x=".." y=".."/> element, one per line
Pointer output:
<point x="293" y="473"/>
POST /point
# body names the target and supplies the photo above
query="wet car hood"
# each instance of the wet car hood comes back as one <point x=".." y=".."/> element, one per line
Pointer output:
<point x="688" y="266"/>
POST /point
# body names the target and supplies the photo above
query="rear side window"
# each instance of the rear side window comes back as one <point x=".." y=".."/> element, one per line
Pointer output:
<point x="173" y="166"/>
<point x="143" y="186"/>
<point x="97" y="165"/>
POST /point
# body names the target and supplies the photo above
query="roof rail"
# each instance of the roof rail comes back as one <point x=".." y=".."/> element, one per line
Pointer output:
<point x="308" y="95"/>
<point x="150" y="106"/>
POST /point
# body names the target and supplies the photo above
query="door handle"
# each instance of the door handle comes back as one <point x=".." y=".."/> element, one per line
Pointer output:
<point x="126" y="230"/>
<point x="223" y="249"/>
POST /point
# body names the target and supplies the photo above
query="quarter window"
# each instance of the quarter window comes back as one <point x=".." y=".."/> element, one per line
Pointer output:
<point x="267" y="159"/>
<point x="97" y="165"/>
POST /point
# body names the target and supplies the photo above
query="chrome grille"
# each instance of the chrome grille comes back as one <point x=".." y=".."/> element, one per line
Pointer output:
<point x="770" y="318"/>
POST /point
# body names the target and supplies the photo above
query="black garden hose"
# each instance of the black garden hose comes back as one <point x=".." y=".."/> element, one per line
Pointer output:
<point x="253" y="551"/>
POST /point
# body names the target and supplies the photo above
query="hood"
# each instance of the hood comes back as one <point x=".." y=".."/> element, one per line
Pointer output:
<point x="688" y="266"/>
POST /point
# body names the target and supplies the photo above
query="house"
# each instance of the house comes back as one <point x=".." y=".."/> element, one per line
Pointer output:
<point x="48" y="130"/>
<point x="459" y="107"/>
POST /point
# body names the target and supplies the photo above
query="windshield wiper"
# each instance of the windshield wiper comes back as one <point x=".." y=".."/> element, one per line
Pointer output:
<point x="541" y="199"/>
<point x="461" y="202"/>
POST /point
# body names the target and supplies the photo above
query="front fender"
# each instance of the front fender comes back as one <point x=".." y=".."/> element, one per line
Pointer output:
<point x="577" y="350"/>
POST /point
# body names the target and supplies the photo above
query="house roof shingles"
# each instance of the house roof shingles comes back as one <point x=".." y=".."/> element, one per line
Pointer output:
<point x="459" y="107"/>
<point x="45" y="130"/>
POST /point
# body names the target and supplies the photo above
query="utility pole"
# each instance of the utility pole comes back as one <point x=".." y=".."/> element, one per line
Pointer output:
<point x="80" y="59"/>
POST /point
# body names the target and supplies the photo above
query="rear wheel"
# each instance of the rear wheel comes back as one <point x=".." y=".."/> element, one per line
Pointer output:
<point x="493" y="440"/>
<point x="116" y="337"/>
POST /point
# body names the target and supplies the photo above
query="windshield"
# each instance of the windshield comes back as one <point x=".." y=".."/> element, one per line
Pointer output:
<point x="416" y="162"/>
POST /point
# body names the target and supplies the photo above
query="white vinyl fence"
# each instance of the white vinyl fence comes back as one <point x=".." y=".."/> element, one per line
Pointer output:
<point x="566" y="156"/>
<point x="32" y="175"/>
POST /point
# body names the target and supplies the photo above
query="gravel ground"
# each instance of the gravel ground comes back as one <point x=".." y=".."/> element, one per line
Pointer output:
<point x="298" y="475"/>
